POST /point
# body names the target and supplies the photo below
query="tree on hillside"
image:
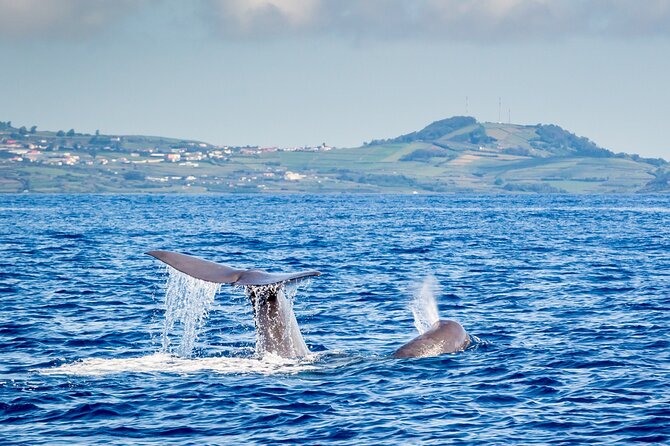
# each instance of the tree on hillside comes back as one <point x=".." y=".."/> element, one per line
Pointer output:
<point x="433" y="131"/>
<point x="134" y="176"/>
<point x="60" y="133"/>
<point x="23" y="130"/>
<point x="70" y="132"/>
<point x="557" y="140"/>
<point x="33" y="129"/>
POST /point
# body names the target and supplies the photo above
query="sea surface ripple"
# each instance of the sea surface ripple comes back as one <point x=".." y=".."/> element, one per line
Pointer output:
<point x="569" y="296"/>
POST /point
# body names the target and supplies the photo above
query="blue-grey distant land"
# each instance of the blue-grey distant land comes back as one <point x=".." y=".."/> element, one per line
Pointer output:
<point x="454" y="155"/>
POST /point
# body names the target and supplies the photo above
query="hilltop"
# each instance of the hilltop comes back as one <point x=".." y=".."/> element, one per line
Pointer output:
<point x="534" y="158"/>
<point x="454" y="155"/>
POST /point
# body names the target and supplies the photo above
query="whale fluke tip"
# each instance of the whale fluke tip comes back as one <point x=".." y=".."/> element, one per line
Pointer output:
<point x="216" y="273"/>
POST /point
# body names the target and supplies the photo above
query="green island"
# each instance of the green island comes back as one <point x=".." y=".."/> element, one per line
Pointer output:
<point x="454" y="155"/>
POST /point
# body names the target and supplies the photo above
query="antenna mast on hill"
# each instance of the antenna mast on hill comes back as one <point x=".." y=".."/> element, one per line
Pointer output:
<point x="499" y="109"/>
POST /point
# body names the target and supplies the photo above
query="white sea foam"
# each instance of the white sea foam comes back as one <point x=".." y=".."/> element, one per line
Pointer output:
<point x="21" y="209"/>
<point x="166" y="363"/>
<point x="424" y="306"/>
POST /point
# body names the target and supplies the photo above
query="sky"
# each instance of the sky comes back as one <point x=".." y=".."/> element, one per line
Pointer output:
<point x="305" y="72"/>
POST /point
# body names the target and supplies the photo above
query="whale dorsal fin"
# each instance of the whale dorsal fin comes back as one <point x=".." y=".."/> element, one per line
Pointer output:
<point x="216" y="273"/>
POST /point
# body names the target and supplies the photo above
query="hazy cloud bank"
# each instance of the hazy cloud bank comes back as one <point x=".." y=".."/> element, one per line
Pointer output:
<point x="45" y="19"/>
<point x="464" y="20"/>
<point x="461" y="20"/>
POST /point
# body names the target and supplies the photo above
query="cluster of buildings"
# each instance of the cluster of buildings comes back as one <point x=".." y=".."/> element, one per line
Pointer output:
<point x="114" y="152"/>
<point x="258" y="150"/>
<point x="19" y="155"/>
<point x="44" y="151"/>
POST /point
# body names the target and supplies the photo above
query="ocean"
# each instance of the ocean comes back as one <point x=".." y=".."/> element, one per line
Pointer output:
<point x="566" y="297"/>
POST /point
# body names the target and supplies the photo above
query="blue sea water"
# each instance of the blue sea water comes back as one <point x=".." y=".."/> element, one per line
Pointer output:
<point x="569" y="296"/>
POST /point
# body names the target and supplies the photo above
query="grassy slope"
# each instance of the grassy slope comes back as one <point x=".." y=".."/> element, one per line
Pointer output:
<point x="474" y="170"/>
<point x="376" y="168"/>
<point x="333" y="172"/>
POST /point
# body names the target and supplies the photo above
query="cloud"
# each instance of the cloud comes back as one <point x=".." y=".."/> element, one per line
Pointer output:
<point x="463" y="20"/>
<point x="67" y="19"/>
<point x="253" y="18"/>
<point x="455" y="20"/>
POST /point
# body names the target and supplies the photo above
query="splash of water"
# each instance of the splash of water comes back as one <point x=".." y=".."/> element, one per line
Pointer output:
<point x="424" y="306"/>
<point x="277" y="330"/>
<point x="187" y="304"/>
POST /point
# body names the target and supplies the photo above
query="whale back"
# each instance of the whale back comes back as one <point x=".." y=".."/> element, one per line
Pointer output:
<point x="445" y="336"/>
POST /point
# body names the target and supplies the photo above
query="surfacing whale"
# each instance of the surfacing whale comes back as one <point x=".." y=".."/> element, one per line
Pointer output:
<point x="445" y="336"/>
<point x="276" y="325"/>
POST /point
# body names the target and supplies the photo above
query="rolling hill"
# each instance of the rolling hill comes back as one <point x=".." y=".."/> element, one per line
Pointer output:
<point x="454" y="155"/>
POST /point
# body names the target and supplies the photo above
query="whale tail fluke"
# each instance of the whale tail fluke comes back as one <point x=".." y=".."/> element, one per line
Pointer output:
<point x="217" y="273"/>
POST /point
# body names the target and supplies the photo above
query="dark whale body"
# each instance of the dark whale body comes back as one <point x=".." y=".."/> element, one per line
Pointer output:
<point x="445" y="336"/>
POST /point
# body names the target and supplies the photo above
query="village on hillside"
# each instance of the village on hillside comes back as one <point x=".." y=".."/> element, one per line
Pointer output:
<point x="126" y="155"/>
<point x="65" y="148"/>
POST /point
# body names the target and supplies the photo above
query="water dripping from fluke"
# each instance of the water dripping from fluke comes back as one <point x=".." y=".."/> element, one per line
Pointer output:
<point x="188" y="301"/>
<point x="187" y="304"/>
<point x="192" y="284"/>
